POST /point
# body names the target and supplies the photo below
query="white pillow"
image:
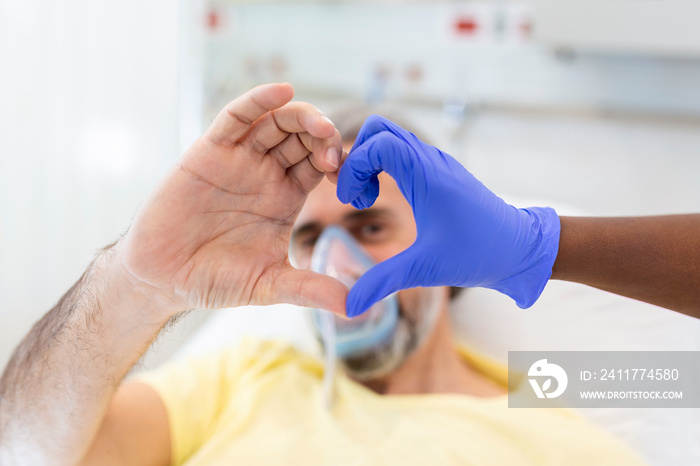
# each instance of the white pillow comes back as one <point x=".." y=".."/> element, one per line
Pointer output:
<point x="226" y="327"/>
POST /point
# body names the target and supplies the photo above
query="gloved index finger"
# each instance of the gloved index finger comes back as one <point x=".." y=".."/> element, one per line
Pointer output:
<point x="357" y="180"/>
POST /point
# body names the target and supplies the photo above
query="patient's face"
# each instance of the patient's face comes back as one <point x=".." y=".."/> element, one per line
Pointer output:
<point x="383" y="230"/>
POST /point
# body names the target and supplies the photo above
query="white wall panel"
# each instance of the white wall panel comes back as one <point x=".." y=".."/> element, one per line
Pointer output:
<point x="88" y="123"/>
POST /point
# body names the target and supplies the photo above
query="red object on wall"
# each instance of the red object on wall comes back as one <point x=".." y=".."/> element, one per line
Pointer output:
<point x="213" y="20"/>
<point x="466" y="26"/>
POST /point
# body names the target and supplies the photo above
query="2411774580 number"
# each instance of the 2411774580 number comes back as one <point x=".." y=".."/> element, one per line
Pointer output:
<point x="639" y="374"/>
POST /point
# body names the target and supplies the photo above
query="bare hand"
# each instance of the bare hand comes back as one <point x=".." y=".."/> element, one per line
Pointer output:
<point x="215" y="233"/>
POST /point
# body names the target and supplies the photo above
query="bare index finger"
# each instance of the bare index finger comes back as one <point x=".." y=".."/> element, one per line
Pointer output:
<point x="236" y="118"/>
<point x="313" y="128"/>
<point x="295" y="117"/>
<point x="301" y="117"/>
<point x="316" y="132"/>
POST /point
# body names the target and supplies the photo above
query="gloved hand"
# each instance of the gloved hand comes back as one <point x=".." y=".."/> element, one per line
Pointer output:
<point x="467" y="236"/>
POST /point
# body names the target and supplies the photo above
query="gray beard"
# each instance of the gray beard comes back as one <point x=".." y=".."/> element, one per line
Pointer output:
<point x="387" y="357"/>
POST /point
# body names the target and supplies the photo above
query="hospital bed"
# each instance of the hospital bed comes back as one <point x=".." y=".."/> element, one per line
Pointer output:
<point x="567" y="317"/>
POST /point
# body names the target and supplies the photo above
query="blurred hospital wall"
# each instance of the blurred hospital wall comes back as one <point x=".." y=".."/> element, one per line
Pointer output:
<point x="587" y="103"/>
<point x="88" y="123"/>
<point x="98" y="98"/>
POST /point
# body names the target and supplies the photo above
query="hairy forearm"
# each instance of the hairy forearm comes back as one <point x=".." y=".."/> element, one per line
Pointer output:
<point x="652" y="259"/>
<point x="60" y="380"/>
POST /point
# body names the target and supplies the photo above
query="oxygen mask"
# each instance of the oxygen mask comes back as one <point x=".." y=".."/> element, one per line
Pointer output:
<point x="337" y="254"/>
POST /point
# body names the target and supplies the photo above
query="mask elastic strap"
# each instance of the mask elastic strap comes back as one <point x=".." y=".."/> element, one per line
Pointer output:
<point x="328" y="335"/>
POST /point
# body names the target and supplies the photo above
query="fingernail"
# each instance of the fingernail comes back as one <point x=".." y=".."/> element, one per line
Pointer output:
<point x="332" y="157"/>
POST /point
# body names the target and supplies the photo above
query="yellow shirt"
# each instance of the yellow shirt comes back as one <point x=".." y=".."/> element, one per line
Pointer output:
<point x="261" y="403"/>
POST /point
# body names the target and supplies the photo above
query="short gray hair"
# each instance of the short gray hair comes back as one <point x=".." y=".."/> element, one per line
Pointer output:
<point x="349" y="120"/>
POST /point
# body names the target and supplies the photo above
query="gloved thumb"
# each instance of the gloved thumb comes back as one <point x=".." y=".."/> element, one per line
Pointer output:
<point x="380" y="281"/>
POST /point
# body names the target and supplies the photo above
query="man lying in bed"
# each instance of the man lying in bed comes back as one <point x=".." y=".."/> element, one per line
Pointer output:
<point x="215" y="233"/>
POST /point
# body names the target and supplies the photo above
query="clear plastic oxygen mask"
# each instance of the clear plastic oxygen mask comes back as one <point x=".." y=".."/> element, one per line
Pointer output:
<point x="337" y="254"/>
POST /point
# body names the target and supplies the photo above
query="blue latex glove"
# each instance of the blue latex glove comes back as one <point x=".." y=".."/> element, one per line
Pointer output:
<point x="467" y="236"/>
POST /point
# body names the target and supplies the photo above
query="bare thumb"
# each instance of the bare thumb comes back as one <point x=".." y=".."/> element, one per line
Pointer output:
<point x="310" y="289"/>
